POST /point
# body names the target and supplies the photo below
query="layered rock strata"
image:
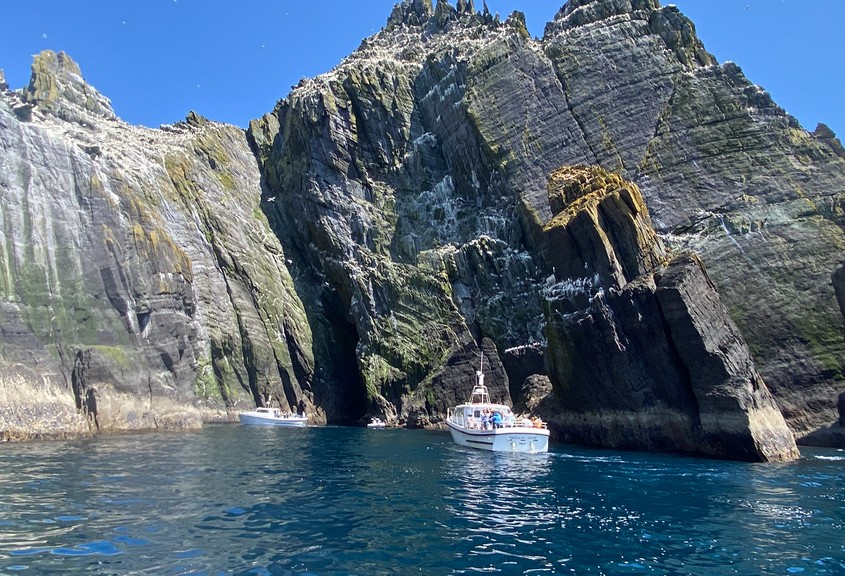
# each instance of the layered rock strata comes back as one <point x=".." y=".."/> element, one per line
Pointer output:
<point x="642" y="352"/>
<point x="435" y="140"/>
<point x="390" y="221"/>
<point x="140" y="285"/>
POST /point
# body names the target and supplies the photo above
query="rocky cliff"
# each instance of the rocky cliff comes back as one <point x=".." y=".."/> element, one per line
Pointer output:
<point x="642" y="349"/>
<point x="142" y="287"/>
<point x="437" y="139"/>
<point x="606" y="208"/>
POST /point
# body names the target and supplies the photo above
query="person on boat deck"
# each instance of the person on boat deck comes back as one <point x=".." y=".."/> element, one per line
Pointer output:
<point x="485" y="420"/>
<point x="497" y="419"/>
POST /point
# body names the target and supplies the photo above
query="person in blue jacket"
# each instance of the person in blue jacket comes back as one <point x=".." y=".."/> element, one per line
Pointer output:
<point x="497" y="419"/>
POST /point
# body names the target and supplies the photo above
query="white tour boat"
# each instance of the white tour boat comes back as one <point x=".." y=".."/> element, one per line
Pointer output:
<point x="376" y="423"/>
<point x="471" y="424"/>
<point x="272" y="417"/>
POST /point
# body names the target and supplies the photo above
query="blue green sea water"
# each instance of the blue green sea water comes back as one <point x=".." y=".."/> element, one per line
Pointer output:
<point x="246" y="500"/>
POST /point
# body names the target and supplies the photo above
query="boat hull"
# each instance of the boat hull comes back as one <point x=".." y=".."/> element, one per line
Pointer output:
<point x="265" y="420"/>
<point x="514" y="439"/>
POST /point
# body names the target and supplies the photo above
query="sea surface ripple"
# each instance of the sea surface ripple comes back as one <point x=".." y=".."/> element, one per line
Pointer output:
<point x="241" y="500"/>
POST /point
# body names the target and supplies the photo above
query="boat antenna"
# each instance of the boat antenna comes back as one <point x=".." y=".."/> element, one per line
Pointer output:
<point x="479" y="376"/>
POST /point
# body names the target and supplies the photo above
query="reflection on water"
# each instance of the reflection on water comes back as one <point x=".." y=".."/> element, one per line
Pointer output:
<point x="250" y="500"/>
<point x="503" y="507"/>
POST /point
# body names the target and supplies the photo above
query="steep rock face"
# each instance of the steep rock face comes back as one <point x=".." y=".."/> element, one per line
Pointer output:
<point x="842" y="410"/>
<point x="401" y="226"/>
<point x="427" y="152"/>
<point x="398" y="216"/>
<point x="839" y="288"/>
<point x="600" y="228"/>
<point x="140" y="285"/>
<point x="57" y="87"/>
<point x="523" y="363"/>
<point x="645" y="356"/>
<point x="726" y="173"/>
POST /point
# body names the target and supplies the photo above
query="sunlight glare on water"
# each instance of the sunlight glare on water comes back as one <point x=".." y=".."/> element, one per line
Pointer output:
<point x="319" y="501"/>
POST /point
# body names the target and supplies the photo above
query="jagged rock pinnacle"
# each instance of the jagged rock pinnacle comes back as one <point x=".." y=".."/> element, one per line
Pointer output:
<point x="676" y="30"/>
<point x="411" y="13"/>
<point x="417" y="13"/>
<point x="56" y="85"/>
<point x="824" y="134"/>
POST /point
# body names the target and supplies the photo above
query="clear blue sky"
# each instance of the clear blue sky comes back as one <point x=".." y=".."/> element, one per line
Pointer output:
<point x="232" y="60"/>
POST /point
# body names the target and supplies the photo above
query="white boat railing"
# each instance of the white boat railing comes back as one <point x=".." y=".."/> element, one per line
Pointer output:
<point x="469" y="415"/>
<point x="469" y="421"/>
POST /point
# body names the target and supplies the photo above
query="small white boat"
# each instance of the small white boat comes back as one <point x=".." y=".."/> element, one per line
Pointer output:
<point x="272" y="417"/>
<point x="376" y="423"/>
<point x="476" y="424"/>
